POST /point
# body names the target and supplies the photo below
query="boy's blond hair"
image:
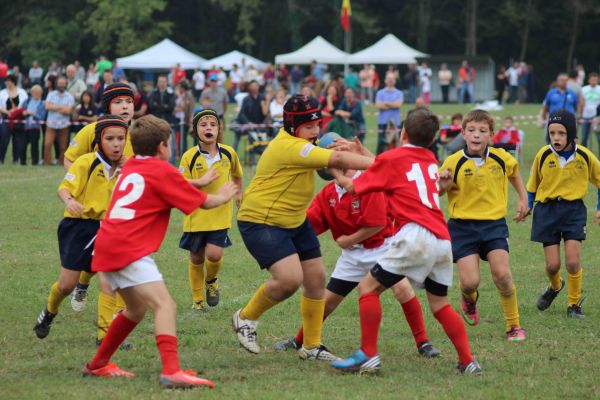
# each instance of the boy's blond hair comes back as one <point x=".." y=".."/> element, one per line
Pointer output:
<point x="147" y="133"/>
<point x="479" y="116"/>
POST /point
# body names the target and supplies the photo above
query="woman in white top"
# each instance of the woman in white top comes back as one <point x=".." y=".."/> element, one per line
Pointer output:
<point x="445" y="79"/>
<point x="276" y="109"/>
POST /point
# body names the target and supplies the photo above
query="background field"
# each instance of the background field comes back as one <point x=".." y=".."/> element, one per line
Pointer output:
<point x="558" y="360"/>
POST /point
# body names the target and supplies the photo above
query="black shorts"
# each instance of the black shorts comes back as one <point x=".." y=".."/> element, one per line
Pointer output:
<point x="269" y="244"/>
<point x="76" y="242"/>
<point x="477" y="237"/>
<point x="558" y="219"/>
<point x="194" y="241"/>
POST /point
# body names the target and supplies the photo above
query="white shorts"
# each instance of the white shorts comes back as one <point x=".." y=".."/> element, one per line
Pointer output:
<point x="354" y="264"/>
<point x="137" y="273"/>
<point x="416" y="253"/>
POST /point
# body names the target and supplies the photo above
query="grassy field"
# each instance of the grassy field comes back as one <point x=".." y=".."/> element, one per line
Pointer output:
<point x="556" y="361"/>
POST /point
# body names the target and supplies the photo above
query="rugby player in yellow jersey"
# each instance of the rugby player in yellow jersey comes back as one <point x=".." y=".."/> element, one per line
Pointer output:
<point x="558" y="183"/>
<point x="272" y="222"/>
<point x="85" y="190"/>
<point x="208" y="166"/>
<point x="476" y="180"/>
<point x="117" y="99"/>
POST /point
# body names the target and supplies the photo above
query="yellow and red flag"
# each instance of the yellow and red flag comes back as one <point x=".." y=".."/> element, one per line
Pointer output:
<point x="345" y="15"/>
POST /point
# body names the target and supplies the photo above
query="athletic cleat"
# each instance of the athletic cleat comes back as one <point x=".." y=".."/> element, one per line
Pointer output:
<point x="125" y="345"/>
<point x="516" y="334"/>
<point x="199" y="306"/>
<point x="245" y="330"/>
<point x="212" y="293"/>
<point x="575" y="311"/>
<point x="469" y="310"/>
<point x="79" y="299"/>
<point x="428" y="351"/>
<point x="319" y="353"/>
<point x="358" y="362"/>
<point x="108" y="371"/>
<point x="44" y="323"/>
<point x="183" y="380"/>
<point x="283" y="345"/>
<point x="548" y="296"/>
<point x="471" y="368"/>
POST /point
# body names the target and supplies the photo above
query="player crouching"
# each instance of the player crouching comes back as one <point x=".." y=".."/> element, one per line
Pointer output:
<point x="362" y="227"/>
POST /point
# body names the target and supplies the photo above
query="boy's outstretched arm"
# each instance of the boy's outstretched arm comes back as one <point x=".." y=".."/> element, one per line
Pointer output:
<point x="347" y="241"/>
<point x="523" y="209"/>
<point x="226" y="192"/>
<point x="205" y="180"/>
<point x="238" y="197"/>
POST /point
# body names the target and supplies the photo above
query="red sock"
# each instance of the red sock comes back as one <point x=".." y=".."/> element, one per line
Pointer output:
<point x="455" y="329"/>
<point x="300" y="336"/>
<point x="118" y="330"/>
<point x="167" y="346"/>
<point x="370" y="319"/>
<point x="414" y="317"/>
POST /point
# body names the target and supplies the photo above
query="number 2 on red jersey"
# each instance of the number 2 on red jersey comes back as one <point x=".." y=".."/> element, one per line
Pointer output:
<point x="416" y="175"/>
<point x="119" y="210"/>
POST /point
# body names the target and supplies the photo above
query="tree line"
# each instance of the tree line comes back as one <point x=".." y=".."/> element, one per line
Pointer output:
<point x="552" y="35"/>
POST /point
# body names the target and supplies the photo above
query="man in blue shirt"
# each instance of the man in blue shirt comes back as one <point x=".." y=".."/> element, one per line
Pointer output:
<point x="388" y="101"/>
<point x="559" y="97"/>
<point x="318" y="71"/>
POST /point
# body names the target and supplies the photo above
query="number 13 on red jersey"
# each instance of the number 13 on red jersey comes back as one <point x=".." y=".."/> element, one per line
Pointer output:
<point x="426" y="194"/>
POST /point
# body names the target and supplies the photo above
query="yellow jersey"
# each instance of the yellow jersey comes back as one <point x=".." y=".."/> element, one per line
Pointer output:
<point x="553" y="176"/>
<point x="83" y="143"/>
<point x="284" y="182"/>
<point x="194" y="164"/>
<point x="91" y="181"/>
<point x="479" y="189"/>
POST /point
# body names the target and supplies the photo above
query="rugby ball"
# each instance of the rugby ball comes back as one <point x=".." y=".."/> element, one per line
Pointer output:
<point x="324" y="142"/>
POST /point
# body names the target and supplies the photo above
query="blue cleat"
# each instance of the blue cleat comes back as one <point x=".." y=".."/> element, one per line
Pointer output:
<point x="358" y="362"/>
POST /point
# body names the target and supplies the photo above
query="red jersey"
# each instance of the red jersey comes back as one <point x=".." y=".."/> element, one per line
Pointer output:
<point x="510" y="136"/>
<point x="408" y="176"/>
<point x="137" y="218"/>
<point x="346" y="215"/>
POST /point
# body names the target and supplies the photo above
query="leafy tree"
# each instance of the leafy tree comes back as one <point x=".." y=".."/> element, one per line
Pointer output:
<point x="46" y="38"/>
<point x="121" y="27"/>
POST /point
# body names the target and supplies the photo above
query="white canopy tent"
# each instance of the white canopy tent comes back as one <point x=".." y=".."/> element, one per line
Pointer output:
<point x="317" y="49"/>
<point x="387" y="50"/>
<point x="226" y="61"/>
<point x="163" y="55"/>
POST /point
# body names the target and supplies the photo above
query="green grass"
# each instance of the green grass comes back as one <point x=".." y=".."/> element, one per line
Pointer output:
<point x="558" y="359"/>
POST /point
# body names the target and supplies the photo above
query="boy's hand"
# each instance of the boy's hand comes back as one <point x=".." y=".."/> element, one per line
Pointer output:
<point x="122" y="161"/>
<point x="209" y="177"/>
<point x="228" y="190"/>
<point x="238" y="199"/>
<point x="354" y="146"/>
<point x="522" y="211"/>
<point x="344" y="242"/>
<point x="74" y="207"/>
<point x="445" y="179"/>
<point x="597" y="217"/>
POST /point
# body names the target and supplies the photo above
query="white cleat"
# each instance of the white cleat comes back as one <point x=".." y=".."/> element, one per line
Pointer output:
<point x="245" y="330"/>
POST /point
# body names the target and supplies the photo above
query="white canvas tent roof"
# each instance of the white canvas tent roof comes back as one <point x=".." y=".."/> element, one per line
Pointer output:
<point x="233" y="57"/>
<point x="317" y="49"/>
<point x="387" y="50"/>
<point x="163" y="55"/>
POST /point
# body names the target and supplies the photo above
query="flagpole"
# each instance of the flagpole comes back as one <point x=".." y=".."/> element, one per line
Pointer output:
<point x="347" y="47"/>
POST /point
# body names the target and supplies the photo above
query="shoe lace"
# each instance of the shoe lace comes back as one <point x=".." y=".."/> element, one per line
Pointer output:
<point x="248" y="332"/>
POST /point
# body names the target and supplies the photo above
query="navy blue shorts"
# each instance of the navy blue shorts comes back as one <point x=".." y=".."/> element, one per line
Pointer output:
<point x="76" y="242"/>
<point x="269" y="244"/>
<point x="195" y="241"/>
<point x="477" y="237"/>
<point x="558" y="219"/>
